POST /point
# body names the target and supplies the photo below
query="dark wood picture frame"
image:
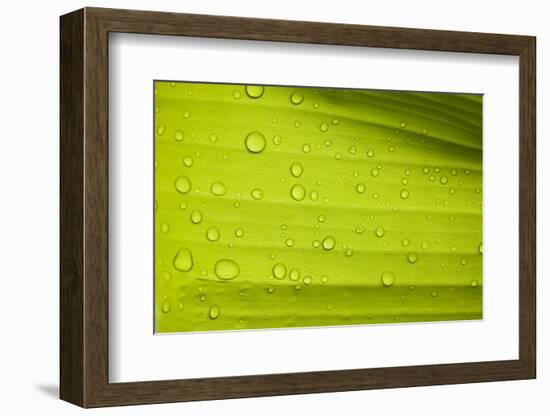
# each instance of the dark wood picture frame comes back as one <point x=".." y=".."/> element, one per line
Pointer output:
<point x="84" y="213"/>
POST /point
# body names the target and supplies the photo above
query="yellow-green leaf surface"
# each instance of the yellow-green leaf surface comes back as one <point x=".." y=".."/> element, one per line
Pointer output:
<point x="282" y="207"/>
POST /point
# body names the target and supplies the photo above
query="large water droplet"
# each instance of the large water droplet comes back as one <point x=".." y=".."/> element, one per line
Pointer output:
<point x="387" y="278"/>
<point x="214" y="312"/>
<point x="255" y="142"/>
<point x="182" y="184"/>
<point x="298" y="192"/>
<point x="329" y="243"/>
<point x="183" y="261"/>
<point x="296" y="169"/>
<point x="213" y="234"/>
<point x="226" y="269"/>
<point x="279" y="271"/>
<point x="254" y="91"/>
<point x="218" y="189"/>
<point x="296" y="98"/>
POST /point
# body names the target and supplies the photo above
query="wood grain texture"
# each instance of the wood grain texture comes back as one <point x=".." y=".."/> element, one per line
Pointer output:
<point x="84" y="207"/>
<point x="71" y="249"/>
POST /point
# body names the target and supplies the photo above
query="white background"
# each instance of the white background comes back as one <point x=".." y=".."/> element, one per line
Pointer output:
<point x="29" y="210"/>
<point x="135" y="60"/>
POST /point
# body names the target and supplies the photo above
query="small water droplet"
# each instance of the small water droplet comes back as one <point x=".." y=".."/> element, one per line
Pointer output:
<point x="196" y="217"/>
<point x="213" y="234"/>
<point x="404" y="194"/>
<point x="257" y="193"/>
<point x="335" y="121"/>
<point x="443" y="180"/>
<point x="314" y="195"/>
<point x="359" y="229"/>
<point x="186" y="114"/>
<point x="277" y="140"/>
<point x="323" y="127"/>
<point x="434" y="294"/>
<point x="239" y="232"/>
<point x="279" y="271"/>
<point x="188" y="161"/>
<point x="254" y="91"/>
<point x="213" y="138"/>
<point x="321" y="218"/>
<point x="160" y="130"/>
<point x="182" y="184"/>
<point x="329" y="243"/>
<point x="214" y="312"/>
<point x="178" y="135"/>
<point x="474" y="283"/>
<point x="375" y="172"/>
<point x="425" y="245"/>
<point x="255" y="142"/>
<point x="370" y="153"/>
<point x="387" y="278"/>
<point x="352" y="150"/>
<point x="296" y="169"/>
<point x="218" y="189"/>
<point x="289" y="242"/>
<point x="361" y="188"/>
<point x="237" y="95"/>
<point x="306" y="148"/>
<point x="296" y="98"/>
<point x="480" y="248"/>
<point x="294" y="275"/>
<point x="270" y="289"/>
<point x="165" y="307"/>
<point x="298" y="192"/>
<point x="412" y="257"/>
<point x="307" y="280"/>
<point x="379" y="232"/>
<point x="164" y="227"/>
<point x="183" y="261"/>
<point x="226" y="269"/>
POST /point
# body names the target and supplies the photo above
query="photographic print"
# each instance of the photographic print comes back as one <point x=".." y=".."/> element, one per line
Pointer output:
<point x="290" y="206"/>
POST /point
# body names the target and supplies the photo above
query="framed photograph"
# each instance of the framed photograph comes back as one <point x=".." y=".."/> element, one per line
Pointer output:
<point x="260" y="207"/>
